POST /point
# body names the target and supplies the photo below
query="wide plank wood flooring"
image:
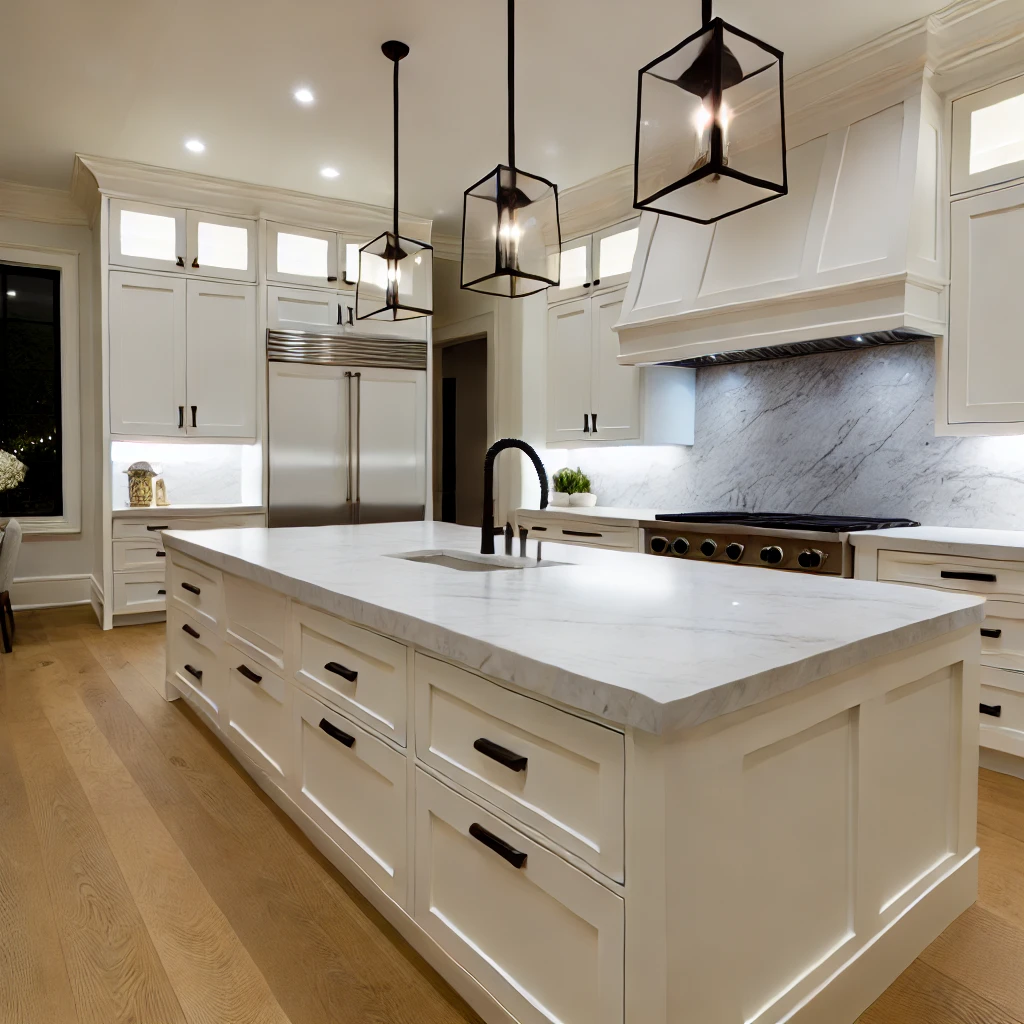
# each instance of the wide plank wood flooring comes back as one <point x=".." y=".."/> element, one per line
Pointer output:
<point x="145" y="879"/>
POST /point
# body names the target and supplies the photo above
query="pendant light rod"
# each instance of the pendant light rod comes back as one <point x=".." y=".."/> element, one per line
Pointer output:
<point x="706" y="11"/>
<point x="395" y="51"/>
<point x="512" y="85"/>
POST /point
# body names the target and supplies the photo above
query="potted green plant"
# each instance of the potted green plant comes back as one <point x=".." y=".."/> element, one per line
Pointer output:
<point x="572" y="487"/>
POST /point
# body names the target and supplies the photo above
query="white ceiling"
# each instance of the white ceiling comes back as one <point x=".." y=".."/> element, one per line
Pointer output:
<point x="135" y="78"/>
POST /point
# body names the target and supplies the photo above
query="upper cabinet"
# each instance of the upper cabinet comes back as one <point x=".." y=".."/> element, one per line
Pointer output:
<point x="302" y="256"/>
<point x="601" y="260"/>
<point x="150" y="237"/>
<point x="988" y="137"/>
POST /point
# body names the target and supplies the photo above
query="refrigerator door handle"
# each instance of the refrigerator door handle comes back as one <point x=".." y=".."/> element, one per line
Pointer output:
<point x="358" y="416"/>
<point x="348" y="433"/>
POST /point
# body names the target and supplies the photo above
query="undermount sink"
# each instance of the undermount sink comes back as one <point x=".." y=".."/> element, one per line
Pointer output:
<point x="466" y="562"/>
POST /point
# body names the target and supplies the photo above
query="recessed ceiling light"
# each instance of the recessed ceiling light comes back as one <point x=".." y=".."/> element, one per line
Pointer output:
<point x="195" y="146"/>
<point x="11" y="295"/>
<point x="329" y="172"/>
<point x="303" y="95"/>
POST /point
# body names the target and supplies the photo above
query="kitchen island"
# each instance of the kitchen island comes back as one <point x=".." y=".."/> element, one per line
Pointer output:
<point x="603" y="788"/>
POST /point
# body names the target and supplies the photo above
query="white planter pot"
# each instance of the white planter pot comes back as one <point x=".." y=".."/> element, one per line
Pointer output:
<point x="559" y="499"/>
<point x="585" y="500"/>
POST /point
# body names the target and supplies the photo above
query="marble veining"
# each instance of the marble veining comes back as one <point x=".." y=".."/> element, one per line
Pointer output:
<point x="647" y="642"/>
<point x="843" y="433"/>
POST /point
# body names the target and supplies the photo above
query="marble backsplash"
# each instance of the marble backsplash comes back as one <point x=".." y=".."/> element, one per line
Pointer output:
<point x="844" y="433"/>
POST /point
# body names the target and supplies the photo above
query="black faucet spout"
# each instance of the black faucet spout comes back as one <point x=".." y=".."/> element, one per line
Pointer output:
<point x="487" y="522"/>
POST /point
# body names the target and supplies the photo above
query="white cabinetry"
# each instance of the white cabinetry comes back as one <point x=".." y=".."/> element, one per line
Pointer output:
<point x="601" y="260"/>
<point x="302" y="256"/>
<point x="182" y="359"/>
<point x="592" y="398"/>
<point x="326" y="311"/>
<point x="988" y="137"/>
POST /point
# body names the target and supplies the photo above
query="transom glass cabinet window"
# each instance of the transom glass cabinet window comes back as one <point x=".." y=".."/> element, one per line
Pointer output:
<point x="574" y="268"/>
<point x="351" y="262"/>
<point x="148" y="235"/>
<point x="302" y="255"/>
<point x="221" y="245"/>
<point x="615" y="253"/>
<point x="997" y="135"/>
<point x="30" y="396"/>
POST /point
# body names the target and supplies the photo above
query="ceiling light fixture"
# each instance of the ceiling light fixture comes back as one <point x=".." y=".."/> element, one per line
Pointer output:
<point x="329" y="172"/>
<point x="511" y="241"/>
<point x="195" y="146"/>
<point x="12" y="295"/>
<point x="395" y="273"/>
<point x="710" y="127"/>
<point x="304" y="95"/>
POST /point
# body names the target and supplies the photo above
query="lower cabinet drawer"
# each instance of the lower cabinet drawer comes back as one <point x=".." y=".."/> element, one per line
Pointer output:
<point x="1002" y="711"/>
<point x="555" y="771"/>
<point x="197" y="589"/>
<point x="542" y="937"/>
<point x="985" y="577"/>
<point x="353" y="786"/>
<point x="258" y="713"/>
<point x="621" y="538"/>
<point x="1002" y="635"/>
<point x="135" y="527"/>
<point x="195" y="670"/>
<point x="256" y="620"/>
<point x="139" y="592"/>
<point x="130" y="555"/>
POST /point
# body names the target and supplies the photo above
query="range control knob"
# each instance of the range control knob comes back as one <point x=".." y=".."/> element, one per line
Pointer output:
<point x="811" y="558"/>
<point x="680" y="546"/>
<point x="708" y="547"/>
<point x="734" y="551"/>
<point x="659" y="545"/>
<point x="772" y="555"/>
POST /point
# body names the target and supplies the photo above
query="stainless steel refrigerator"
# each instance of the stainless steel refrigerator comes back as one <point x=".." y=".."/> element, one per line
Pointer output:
<point x="347" y="429"/>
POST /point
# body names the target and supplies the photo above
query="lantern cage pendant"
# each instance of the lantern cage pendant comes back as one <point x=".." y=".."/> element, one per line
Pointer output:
<point x="710" y="128"/>
<point x="395" y="273"/>
<point x="511" y="240"/>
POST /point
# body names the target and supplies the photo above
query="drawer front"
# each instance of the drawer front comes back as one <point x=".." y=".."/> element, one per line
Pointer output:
<point x="1002" y="635"/>
<point x="543" y="938"/>
<point x="145" y="553"/>
<point x="196" y="673"/>
<point x="178" y="623"/>
<point x="983" y="576"/>
<point x="196" y="589"/>
<point x="1002" y="711"/>
<point x="139" y="592"/>
<point x="621" y="538"/>
<point x="558" y="773"/>
<point x="258" y="713"/>
<point x="353" y="786"/>
<point x="353" y="669"/>
<point x="136" y="529"/>
<point x="256" y="621"/>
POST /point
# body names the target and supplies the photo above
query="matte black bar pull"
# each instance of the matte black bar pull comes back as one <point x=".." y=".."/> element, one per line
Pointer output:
<point x="995" y="634"/>
<point x="195" y="263"/>
<point x="190" y="588"/>
<point x="191" y="632"/>
<point x="509" y="758"/>
<point x="155" y="528"/>
<point x="197" y="673"/>
<point x="351" y="313"/>
<point x="339" y="670"/>
<point x="580" y="533"/>
<point x="180" y="262"/>
<point x="340" y="319"/>
<point x="515" y="857"/>
<point x="244" y="670"/>
<point x="593" y="422"/>
<point x="181" y="417"/>
<point x="974" y="577"/>
<point x="159" y="592"/>
<point x="336" y="734"/>
<point x="995" y="710"/>
<point x="160" y="554"/>
<point x="194" y="409"/>
<point x="586" y="424"/>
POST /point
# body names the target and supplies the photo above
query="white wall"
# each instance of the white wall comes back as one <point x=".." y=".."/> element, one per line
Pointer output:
<point x="55" y="568"/>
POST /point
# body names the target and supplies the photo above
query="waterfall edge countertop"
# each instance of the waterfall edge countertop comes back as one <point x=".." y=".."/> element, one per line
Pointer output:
<point x="652" y="643"/>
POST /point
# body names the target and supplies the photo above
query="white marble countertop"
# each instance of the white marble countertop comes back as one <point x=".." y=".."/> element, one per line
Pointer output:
<point x="180" y="510"/>
<point x="945" y="540"/>
<point x="654" y="643"/>
<point x="601" y="514"/>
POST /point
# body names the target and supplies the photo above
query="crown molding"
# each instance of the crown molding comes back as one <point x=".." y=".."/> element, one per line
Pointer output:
<point x="124" y="179"/>
<point x="44" y="205"/>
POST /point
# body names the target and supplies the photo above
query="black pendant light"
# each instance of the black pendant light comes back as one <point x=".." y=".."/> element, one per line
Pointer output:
<point x="710" y="127"/>
<point x="395" y="273"/>
<point x="511" y="242"/>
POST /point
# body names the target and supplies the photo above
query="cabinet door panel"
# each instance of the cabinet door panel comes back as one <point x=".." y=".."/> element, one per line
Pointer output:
<point x="304" y="309"/>
<point x="147" y="237"/>
<point x="221" y="246"/>
<point x="576" y="270"/>
<point x="302" y="256"/>
<point x="147" y="354"/>
<point x="221" y="360"/>
<point x="987" y="309"/>
<point x="613" y="253"/>
<point x="615" y="391"/>
<point x="569" y="369"/>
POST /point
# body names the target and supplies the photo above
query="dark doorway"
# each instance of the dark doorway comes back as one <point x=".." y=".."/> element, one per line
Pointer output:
<point x="463" y="429"/>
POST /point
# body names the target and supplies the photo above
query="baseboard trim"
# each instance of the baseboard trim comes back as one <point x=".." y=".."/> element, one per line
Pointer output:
<point x="28" y="592"/>
<point x="96" y="599"/>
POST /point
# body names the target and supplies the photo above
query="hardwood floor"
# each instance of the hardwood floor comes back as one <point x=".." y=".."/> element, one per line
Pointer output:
<point x="144" y="878"/>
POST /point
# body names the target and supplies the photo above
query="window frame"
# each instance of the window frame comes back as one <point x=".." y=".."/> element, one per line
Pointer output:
<point x="66" y="262"/>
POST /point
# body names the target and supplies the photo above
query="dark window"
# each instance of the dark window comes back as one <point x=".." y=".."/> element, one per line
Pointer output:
<point x="30" y="409"/>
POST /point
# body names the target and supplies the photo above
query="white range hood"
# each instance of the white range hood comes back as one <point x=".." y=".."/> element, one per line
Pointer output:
<point x="853" y="255"/>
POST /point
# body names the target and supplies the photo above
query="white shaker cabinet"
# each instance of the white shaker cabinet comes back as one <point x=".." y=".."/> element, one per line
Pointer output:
<point x="305" y="309"/>
<point x="302" y="256"/>
<point x="985" y="383"/>
<point x="570" y="333"/>
<point x="614" y="389"/>
<point x="221" y="360"/>
<point x="147" y="237"/>
<point x="147" y="354"/>
<point x="217" y="246"/>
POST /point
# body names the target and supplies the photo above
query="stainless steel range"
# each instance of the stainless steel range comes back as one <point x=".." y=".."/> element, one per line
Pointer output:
<point x="776" y="540"/>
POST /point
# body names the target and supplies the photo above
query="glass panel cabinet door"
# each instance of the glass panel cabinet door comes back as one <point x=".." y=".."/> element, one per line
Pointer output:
<point x="221" y="246"/>
<point x="145" y="236"/>
<point x="613" y="253"/>
<point x="575" y="273"/>
<point x="988" y="137"/>
<point x="302" y="256"/>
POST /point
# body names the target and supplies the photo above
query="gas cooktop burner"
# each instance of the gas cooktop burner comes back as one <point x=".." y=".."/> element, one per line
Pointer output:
<point x="786" y="521"/>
